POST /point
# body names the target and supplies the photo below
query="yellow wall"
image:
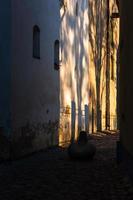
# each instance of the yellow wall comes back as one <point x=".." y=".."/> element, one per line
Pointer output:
<point x="98" y="63"/>
<point x="83" y="66"/>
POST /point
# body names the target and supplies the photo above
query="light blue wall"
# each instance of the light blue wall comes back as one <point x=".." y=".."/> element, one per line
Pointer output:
<point x="5" y="62"/>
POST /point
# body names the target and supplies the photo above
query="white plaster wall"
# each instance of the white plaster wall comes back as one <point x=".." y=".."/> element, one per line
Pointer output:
<point x="74" y="69"/>
<point x="35" y="83"/>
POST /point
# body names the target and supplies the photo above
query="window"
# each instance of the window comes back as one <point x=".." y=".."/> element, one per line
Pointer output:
<point x="56" y="54"/>
<point x="36" y="42"/>
<point x="77" y="9"/>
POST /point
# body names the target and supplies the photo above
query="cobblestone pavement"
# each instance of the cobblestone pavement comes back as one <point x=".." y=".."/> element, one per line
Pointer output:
<point x="51" y="174"/>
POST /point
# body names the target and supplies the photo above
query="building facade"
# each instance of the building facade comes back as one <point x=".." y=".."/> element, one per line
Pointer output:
<point x="125" y="149"/>
<point x="29" y="105"/>
<point x="5" y="70"/>
<point x="58" y="72"/>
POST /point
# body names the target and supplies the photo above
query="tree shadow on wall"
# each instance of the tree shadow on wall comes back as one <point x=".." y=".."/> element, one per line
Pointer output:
<point x="75" y="58"/>
<point x="100" y="47"/>
<point x="97" y="40"/>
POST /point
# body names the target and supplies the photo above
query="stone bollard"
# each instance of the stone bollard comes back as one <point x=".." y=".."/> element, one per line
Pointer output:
<point x="82" y="149"/>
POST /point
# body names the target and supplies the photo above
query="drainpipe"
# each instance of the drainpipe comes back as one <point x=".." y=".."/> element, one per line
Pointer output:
<point x="118" y="4"/>
<point x="108" y="68"/>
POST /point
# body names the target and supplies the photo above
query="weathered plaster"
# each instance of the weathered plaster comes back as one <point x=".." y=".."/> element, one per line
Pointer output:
<point x="34" y="137"/>
<point x="34" y="82"/>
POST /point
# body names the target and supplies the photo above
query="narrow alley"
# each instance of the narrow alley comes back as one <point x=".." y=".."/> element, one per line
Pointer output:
<point x="50" y="175"/>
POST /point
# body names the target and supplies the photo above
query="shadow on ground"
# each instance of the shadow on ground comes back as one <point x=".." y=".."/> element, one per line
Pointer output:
<point x="51" y="174"/>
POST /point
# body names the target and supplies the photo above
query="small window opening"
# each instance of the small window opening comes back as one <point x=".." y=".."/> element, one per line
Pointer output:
<point x="77" y="8"/>
<point x="56" y="54"/>
<point x="36" y="42"/>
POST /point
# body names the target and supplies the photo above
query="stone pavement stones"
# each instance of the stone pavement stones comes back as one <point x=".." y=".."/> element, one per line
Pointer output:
<point x="52" y="175"/>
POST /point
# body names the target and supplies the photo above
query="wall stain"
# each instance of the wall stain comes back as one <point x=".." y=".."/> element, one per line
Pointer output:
<point x="34" y="137"/>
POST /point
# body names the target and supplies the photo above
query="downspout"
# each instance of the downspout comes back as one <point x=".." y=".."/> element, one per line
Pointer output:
<point x="118" y="72"/>
<point x="118" y="4"/>
<point x="108" y="68"/>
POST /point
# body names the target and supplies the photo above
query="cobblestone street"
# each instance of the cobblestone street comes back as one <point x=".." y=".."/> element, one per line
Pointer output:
<point x="51" y="174"/>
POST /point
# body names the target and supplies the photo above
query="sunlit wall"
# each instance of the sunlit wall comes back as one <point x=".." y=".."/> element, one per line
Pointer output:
<point x="114" y="65"/>
<point x="84" y="67"/>
<point x="99" y="66"/>
<point x="74" y="68"/>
